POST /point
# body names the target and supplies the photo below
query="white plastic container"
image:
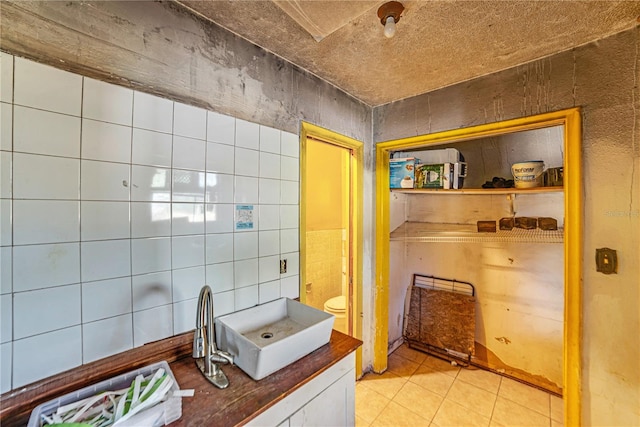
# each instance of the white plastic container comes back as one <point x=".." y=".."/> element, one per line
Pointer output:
<point x="159" y="415"/>
<point x="528" y="174"/>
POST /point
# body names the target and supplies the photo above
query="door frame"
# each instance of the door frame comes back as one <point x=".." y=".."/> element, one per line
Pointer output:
<point x="356" y="147"/>
<point x="573" y="254"/>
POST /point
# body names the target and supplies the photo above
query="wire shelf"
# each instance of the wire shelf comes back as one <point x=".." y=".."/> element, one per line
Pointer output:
<point x="424" y="232"/>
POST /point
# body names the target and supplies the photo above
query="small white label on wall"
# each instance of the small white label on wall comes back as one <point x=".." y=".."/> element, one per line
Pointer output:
<point x="244" y="217"/>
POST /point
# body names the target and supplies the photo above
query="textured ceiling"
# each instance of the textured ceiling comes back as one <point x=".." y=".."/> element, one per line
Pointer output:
<point x="437" y="43"/>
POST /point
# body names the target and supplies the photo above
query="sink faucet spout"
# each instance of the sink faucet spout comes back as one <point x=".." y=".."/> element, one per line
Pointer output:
<point x="204" y="342"/>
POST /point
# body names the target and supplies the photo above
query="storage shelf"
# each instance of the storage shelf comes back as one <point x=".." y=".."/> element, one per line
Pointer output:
<point x="484" y="191"/>
<point x="425" y="232"/>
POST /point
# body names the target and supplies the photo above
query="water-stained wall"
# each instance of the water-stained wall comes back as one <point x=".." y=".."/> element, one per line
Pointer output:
<point x="602" y="79"/>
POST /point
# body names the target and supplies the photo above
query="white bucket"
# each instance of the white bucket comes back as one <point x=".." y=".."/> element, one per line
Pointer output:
<point x="528" y="174"/>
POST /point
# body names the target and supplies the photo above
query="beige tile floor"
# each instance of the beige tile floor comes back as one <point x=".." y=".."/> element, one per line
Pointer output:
<point x="420" y="390"/>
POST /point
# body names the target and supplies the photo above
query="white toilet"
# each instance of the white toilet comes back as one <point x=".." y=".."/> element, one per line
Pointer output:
<point x="338" y="307"/>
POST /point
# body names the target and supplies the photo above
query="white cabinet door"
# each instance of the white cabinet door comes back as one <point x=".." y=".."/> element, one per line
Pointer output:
<point x="335" y="406"/>
<point x="341" y="375"/>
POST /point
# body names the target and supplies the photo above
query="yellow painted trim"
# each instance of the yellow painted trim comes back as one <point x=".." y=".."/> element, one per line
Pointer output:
<point x="357" y="164"/>
<point x="571" y="119"/>
<point x="573" y="268"/>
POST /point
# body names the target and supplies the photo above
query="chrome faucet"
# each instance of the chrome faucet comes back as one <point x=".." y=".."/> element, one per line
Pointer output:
<point x="204" y="342"/>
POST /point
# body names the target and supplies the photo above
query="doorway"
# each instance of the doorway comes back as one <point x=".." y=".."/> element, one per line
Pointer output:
<point x="572" y="247"/>
<point x="331" y="173"/>
<point x="328" y="231"/>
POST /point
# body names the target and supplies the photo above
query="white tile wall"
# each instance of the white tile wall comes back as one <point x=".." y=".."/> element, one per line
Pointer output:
<point x="189" y="121"/>
<point x="107" y="102"/>
<point x="44" y="132"/>
<point x="269" y="243"/>
<point x="152" y="113"/>
<point x="6" y="364"/>
<point x="219" y="248"/>
<point x="187" y="283"/>
<point x="6" y="235"/>
<point x="6" y="77"/>
<point x="6" y="126"/>
<point x="45" y="177"/>
<point x="245" y="245"/>
<point x="151" y="290"/>
<point x="221" y="128"/>
<point x="220" y="158"/>
<point x="152" y="325"/>
<point x="6" y="316"/>
<point x="64" y="351"/>
<point x="247" y="162"/>
<point x="246" y="189"/>
<point x="184" y="318"/>
<point x="105" y="259"/>
<point x="151" y="148"/>
<point x="150" y="255"/>
<point x="117" y="206"/>
<point x="246" y="297"/>
<point x="46" y="88"/>
<point x="45" y="221"/>
<point x="106" y="337"/>
<point x="269" y="217"/>
<point x="6" y="271"/>
<point x="5" y="175"/>
<point x="247" y="134"/>
<point x="220" y="277"/>
<point x="188" y="153"/>
<point x="150" y="184"/>
<point x="45" y="266"/>
<point x="269" y="165"/>
<point x="219" y="188"/>
<point x="106" y="141"/>
<point x="245" y="273"/>
<point x="150" y="219"/>
<point x="188" y="186"/>
<point x="106" y="298"/>
<point x="269" y="140"/>
<point x="269" y="291"/>
<point x="104" y="220"/>
<point x="104" y="181"/>
<point x="45" y="310"/>
<point x="269" y="191"/>
<point x="224" y="303"/>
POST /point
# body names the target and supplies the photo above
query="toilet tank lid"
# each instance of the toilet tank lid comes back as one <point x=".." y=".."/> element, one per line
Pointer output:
<point x="337" y="303"/>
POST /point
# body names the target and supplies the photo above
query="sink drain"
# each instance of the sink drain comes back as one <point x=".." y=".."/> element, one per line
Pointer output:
<point x="267" y="335"/>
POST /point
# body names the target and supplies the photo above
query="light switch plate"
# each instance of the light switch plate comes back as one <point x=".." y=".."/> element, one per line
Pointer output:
<point x="606" y="261"/>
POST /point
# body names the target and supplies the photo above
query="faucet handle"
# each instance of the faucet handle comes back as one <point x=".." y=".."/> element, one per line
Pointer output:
<point x="222" y="357"/>
<point x="198" y="344"/>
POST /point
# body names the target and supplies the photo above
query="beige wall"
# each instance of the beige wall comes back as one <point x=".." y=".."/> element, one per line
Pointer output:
<point x="325" y="200"/>
<point x="601" y="78"/>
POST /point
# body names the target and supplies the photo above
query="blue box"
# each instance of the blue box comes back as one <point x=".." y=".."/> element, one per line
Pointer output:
<point x="402" y="172"/>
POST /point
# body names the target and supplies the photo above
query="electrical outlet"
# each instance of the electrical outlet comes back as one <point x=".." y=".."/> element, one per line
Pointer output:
<point x="283" y="266"/>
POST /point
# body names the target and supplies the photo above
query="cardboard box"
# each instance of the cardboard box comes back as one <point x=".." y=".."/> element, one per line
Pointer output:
<point x="444" y="155"/>
<point x="402" y="172"/>
<point x="432" y="176"/>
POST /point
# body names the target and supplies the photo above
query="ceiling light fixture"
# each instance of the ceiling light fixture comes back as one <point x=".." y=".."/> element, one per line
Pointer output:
<point x="389" y="14"/>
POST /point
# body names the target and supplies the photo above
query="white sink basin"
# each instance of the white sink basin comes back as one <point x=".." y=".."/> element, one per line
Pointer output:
<point x="270" y="336"/>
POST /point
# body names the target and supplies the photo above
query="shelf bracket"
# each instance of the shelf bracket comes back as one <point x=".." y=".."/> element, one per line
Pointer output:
<point x="511" y="198"/>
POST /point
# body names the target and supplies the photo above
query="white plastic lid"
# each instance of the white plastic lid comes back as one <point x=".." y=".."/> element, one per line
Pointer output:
<point x="338" y="303"/>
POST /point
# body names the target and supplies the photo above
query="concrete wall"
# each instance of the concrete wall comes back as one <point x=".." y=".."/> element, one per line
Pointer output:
<point x="602" y="79"/>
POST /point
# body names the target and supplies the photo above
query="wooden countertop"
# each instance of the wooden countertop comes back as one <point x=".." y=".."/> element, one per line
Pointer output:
<point x="241" y="401"/>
